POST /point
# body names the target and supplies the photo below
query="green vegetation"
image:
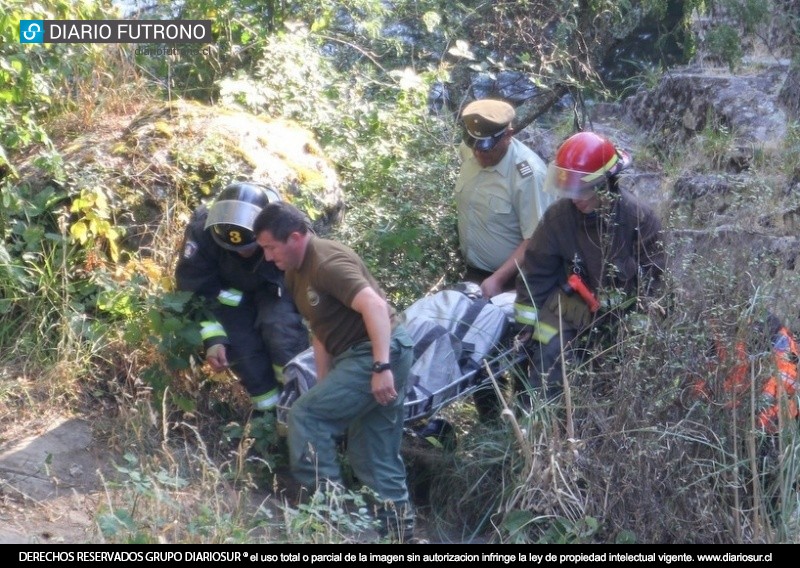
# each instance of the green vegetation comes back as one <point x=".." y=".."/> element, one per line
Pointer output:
<point x="104" y="153"/>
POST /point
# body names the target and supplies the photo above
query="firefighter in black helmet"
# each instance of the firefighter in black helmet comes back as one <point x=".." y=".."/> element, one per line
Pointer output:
<point x="249" y="322"/>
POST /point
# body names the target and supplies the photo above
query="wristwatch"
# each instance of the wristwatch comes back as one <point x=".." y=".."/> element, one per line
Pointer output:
<point x="378" y="367"/>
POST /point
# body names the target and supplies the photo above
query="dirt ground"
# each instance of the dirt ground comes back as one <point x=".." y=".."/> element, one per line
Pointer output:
<point x="53" y="476"/>
<point x="50" y="483"/>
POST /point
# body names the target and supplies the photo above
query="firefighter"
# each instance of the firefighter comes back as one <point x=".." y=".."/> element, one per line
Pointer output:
<point x="248" y="320"/>
<point x="593" y="251"/>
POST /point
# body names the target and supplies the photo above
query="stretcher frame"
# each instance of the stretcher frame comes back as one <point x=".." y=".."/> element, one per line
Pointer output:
<point x="503" y="358"/>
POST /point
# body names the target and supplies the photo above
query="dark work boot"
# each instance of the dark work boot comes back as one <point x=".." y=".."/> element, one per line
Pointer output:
<point x="396" y="523"/>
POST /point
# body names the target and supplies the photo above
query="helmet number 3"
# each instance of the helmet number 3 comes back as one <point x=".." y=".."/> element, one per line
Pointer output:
<point x="235" y="237"/>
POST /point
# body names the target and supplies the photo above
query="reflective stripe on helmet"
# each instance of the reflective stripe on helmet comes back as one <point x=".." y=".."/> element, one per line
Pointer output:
<point x="576" y="184"/>
<point x="591" y="177"/>
<point x="230" y="297"/>
<point x="568" y="183"/>
<point x="209" y="329"/>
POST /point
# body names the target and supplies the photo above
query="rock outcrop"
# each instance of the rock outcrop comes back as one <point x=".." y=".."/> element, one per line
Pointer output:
<point x="731" y="216"/>
<point x="685" y="102"/>
<point x="155" y="167"/>
<point x="197" y="150"/>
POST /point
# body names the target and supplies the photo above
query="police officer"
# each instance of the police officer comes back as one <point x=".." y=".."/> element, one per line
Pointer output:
<point x="249" y="322"/>
<point x="499" y="195"/>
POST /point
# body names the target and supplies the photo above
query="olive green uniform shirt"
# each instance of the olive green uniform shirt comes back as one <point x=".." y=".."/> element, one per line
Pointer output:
<point x="323" y="288"/>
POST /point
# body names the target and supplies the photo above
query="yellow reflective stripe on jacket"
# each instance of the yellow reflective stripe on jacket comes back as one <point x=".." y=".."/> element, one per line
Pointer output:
<point x="543" y="332"/>
<point x="266" y="401"/>
<point x="278" y="369"/>
<point x="529" y="315"/>
<point x="209" y="329"/>
<point x="231" y="297"/>
<point x="526" y="315"/>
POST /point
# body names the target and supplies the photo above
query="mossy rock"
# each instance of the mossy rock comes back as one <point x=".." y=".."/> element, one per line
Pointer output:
<point x="202" y="148"/>
<point x="158" y="166"/>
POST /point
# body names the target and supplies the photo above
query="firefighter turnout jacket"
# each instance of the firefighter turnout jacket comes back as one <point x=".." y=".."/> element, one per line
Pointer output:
<point x="615" y="250"/>
<point x="245" y="306"/>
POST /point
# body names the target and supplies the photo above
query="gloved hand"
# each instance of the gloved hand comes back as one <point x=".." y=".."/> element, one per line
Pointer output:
<point x="217" y="357"/>
<point x="574" y="310"/>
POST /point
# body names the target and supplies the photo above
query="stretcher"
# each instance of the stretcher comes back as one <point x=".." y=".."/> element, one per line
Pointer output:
<point x="505" y="357"/>
<point x="460" y="341"/>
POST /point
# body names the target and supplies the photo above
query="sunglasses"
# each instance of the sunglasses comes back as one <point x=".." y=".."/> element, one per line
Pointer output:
<point x="483" y="144"/>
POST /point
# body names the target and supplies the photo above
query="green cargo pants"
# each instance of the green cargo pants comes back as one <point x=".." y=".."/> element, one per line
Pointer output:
<point x="343" y="403"/>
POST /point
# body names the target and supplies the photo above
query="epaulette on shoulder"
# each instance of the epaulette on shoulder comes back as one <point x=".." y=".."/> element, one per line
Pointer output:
<point x="524" y="169"/>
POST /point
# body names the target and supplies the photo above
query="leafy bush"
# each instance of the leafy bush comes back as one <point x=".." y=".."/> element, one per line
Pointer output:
<point x="37" y="80"/>
<point x="724" y="43"/>
<point x="394" y="157"/>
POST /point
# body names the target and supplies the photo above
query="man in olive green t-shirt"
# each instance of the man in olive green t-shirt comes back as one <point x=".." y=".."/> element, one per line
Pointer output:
<point x="362" y="357"/>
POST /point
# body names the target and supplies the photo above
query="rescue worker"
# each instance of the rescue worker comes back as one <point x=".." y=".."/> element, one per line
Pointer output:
<point x="500" y="199"/>
<point x="249" y="322"/>
<point x="593" y="251"/>
<point x="362" y="354"/>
